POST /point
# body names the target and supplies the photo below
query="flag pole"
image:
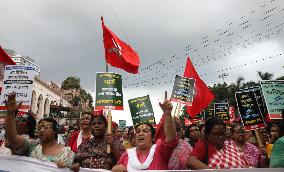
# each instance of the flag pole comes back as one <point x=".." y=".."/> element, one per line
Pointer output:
<point x="176" y="110"/>
<point x="102" y="19"/>
<point x="109" y="117"/>
<point x="106" y="67"/>
<point x="179" y="107"/>
<point x="109" y="125"/>
<point x="259" y="138"/>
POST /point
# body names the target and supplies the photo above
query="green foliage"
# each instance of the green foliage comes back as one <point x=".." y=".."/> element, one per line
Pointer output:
<point x="280" y="78"/>
<point x="84" y="95"/>
<point x="74" y="83"/>
<point x="71" y="83"/>
<point x="265" y="75"/>
<point x="76" y="101"/>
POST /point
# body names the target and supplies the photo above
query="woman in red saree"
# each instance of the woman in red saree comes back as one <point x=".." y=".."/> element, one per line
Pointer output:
<point x="147" y="155"/>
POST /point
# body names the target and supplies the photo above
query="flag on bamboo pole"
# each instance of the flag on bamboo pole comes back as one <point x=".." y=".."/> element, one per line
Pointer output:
<point x="118" y="53"/>
<point x="203" y="96"/>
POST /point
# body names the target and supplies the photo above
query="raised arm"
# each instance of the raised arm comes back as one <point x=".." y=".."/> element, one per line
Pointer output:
<point x="169" y="125"/>
<point x="14" y="139"/>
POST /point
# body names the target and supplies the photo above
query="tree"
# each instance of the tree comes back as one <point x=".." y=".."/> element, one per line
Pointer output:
<point x="265" y="75"/>
<point x="280" y="78"/>
<point x="83" y="97"/>
<point x="71" y="83"/>
<point x="239" y="81"/>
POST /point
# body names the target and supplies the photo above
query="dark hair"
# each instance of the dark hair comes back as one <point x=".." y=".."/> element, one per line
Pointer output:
<point x="152" y="129"/>
<point x="101" y="117"/>
<point x="193" y="125"/>
<point x="281" y="127"/>
<point x="86" y="113"/>
<point x="124" y="129"/>
<point x="274" y="125"/>
<point x="201" y="126"/>
<point x="54" y="125"/>
<point x="31" y="123"/>
<point x="211" y="122"/>
<point x="129" y="129"/>
<point x="233" y="126"/>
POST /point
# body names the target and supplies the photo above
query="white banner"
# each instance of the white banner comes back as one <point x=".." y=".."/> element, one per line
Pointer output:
<point x="18" y="79"/>
<point x="14" y="163"/>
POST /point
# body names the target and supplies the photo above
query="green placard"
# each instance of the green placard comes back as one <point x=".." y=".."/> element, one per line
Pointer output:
<point x="109" y="91"/>
<point x="141" y="110"/>
<point x="273" y="92"/>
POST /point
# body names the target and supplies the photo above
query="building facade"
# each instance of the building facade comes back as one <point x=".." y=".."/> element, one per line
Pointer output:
<point x="44" y="96"/>
<point x="27" y="61"/>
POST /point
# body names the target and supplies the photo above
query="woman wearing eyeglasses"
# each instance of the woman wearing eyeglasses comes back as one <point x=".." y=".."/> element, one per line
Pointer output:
<point x="213" y="152"/>
<point x="252" y="154"/>
<point x="46" y="148"/>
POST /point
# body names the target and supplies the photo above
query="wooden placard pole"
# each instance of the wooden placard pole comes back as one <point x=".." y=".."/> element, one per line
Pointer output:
<point x="109" y="127"/>
<point x="179" y="107"/>
<point x="176" y="110"/>
<point x="259" y="138"/>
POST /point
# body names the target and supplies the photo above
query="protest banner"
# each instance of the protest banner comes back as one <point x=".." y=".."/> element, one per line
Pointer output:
<point x="109" y="91"/>
<point x="273" y="92"/>
<point x="221" y="110"/>
<point x="259" y="99"/>
<point x="183" y="90"/>
<point x="209" y="113"/>
<point x="13" y="163"/>
<point x="249" y="111"/>
<point x="18" y="79"/>
<point x="122" y="124"/>
<point x="198" y="119"/>
<point x="141" y="110"/>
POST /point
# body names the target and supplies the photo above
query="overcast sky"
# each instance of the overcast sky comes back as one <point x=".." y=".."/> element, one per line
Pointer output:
<point x="64" y="37"/>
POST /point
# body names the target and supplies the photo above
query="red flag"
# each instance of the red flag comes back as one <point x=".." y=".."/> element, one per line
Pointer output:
<point x="5" y="58"/>
<point x="187" y="122"/>
<point x="203" y="96"/>
<point x="118" y="53"/>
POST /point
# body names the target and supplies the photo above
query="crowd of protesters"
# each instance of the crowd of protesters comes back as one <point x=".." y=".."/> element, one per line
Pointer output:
<point x="212" y="145"/>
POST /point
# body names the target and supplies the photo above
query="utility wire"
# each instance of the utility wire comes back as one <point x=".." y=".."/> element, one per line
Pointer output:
<point x="116" y="17"/>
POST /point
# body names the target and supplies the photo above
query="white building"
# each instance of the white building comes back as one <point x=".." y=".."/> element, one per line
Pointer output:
<point x="21" y="60"/>
<point x="44" y="95"/>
